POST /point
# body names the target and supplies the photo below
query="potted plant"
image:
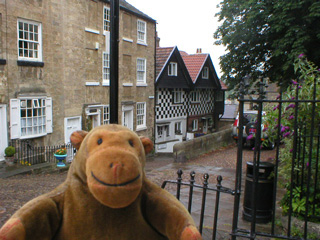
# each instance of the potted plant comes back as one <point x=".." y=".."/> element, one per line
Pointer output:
<point x="61" y="155"/>
<point x="9" y="155"/>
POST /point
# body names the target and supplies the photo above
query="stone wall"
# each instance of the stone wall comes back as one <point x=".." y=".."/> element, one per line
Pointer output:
<point x="193" y="148"/>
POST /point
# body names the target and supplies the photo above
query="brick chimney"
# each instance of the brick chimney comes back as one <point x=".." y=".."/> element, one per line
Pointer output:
<point x="157" y="40"/>
<point x="199" y="50"/>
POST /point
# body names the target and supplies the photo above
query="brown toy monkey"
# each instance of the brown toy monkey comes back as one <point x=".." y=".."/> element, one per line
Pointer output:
<point x="106" y="196"/>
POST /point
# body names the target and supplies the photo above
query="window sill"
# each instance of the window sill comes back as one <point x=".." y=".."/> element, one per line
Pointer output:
<point x="24" y="63"/>
<point x="33" y="136"/>
<point x="92" y="84"/>
<point x="92" y="30"/>
<point x="142" y="43"/>
<point x="141" y="128"/>
<point x="127" y="40"/>
<point x="106" y="83"/>
<point x="142" y="85"/>
<point x="127" y="84"/>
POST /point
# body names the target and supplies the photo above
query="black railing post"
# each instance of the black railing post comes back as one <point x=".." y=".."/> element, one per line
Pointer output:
<point x="114" y="61"/>
<point x="192" y="175"/>
<point x="179" y="180"/>
<point x="216" y="210"/>
<point x="203" y="204"/>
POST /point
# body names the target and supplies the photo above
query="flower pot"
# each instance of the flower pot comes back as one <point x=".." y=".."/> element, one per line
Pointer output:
<point x="10" y="161"/>
<point x="60" y="159"/>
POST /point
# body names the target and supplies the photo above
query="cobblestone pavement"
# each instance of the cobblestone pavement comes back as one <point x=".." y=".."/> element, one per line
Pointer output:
<point x="17" y="190"/>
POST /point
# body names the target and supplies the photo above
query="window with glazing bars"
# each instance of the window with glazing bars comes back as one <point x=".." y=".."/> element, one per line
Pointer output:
<point x="141" y="70"/>
<point x="141" y="114"/>
<point x="29" y="40"/>
<point x="106" y="19"/>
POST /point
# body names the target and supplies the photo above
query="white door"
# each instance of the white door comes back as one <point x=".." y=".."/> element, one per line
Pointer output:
<point x="127" y="117"/>
<point x="3" y="130"/>
<point x="71" y="124"/>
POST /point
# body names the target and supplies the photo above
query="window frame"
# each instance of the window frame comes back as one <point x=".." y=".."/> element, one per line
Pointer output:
<point x="195" y="125"/>
<point x="205" y="73"/>
<point x="105" y="68"/>
<point x="141" y="112"/>
<point x="144" y="71"/>
<point x="141" y="32"/>
<point x="177" y="96"/>
<point x="17" y="117"/>
<point x="106" y="19"/>
<point x="38" y="43"/>
<point x="195" y="96"/>
<point x="106" y="114"/>
<point x="173" y="69"/>
<point x="178" y="127"/>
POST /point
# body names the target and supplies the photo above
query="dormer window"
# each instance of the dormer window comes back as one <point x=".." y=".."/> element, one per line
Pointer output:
<point x="205" y="73"/>
<point x="172" y="69"/>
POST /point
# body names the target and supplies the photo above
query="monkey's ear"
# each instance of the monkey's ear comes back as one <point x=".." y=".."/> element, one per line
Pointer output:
<point x="77" y="137"/>
<point x="147" y="144"/>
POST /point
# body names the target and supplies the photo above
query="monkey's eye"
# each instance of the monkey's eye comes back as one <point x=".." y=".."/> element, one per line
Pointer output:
<point x="131" y="143"/>
<point x="99" y="141"/>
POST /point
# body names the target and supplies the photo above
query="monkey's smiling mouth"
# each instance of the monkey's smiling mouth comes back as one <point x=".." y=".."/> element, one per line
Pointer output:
<point x="117" y="184"/>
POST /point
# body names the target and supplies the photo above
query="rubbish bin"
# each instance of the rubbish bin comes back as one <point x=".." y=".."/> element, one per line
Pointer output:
<point x="264" y="193"/>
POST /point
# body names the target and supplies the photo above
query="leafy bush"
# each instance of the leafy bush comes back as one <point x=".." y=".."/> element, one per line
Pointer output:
<point x="299" y="153"/>
<point x="9" y="151"/>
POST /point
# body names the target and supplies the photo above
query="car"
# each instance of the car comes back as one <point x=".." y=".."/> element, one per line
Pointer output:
<point x="250" y="129"/>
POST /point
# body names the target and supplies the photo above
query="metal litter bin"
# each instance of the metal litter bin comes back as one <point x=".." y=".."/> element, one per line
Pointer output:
<point x="264" y="193"/>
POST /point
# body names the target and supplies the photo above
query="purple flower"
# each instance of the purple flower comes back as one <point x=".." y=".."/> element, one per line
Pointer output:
<point x="299" y="87"/>
<point x="286" y="134"/>
<point x="286" y="128"/>
<point x="250" y="137"/>
<point x="307" y="164"/>
<point x="283" y="129"/>
<point x="265" y="129"/>
<point x="291" y="150"/>
<point x="301" y="55"/>
<point x="291" y="117"/>
<point x="278" y="97"/>
<point x="294" y="82"/>
<point x="291" y="105"/>
<point x="293" y="98"/>
<point x="276" y="107"/>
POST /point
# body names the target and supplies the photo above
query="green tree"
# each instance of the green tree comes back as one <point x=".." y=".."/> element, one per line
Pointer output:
<point x="264" y="37"/>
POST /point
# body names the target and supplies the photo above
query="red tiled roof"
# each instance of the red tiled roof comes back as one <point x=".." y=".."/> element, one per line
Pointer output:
<point x="162" y="55"/>
<point x="223" y="86"/>
<point x="194" y="63"/>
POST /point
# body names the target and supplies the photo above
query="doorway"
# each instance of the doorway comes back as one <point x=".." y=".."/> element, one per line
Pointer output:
<point x="127" y="116"/>
<point x="3" y="130"/>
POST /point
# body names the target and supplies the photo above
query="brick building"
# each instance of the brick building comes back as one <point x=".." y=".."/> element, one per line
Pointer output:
<point x="55" y="69"/>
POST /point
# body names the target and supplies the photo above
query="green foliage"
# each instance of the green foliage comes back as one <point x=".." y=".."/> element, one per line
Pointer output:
<point x="297" y="110"/>
<point x="9" y="151"/>
<point x="263" y="38"/>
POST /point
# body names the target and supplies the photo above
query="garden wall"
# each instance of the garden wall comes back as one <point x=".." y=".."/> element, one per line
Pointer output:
<point x="193" y="148"/>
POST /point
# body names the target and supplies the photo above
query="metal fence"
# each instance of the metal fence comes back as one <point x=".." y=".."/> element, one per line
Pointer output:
<point x="294" y="184"/>
<point x="27" y="154"/>
<point x="205" y="188"/>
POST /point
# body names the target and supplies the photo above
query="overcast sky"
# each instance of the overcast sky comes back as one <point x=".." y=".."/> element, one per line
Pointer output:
<point x="186" y="24"/>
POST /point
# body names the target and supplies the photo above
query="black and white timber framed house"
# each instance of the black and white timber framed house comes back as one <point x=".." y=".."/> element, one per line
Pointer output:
<point x="185" y="101"/>
<point x="207" y="96"/>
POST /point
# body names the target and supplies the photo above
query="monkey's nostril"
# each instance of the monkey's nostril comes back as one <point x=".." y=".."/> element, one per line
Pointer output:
<point x="111" y="165"/>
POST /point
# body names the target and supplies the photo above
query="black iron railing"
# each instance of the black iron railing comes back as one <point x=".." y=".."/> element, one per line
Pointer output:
<point x="218" y="189"/>
<point x="28" y="154"/>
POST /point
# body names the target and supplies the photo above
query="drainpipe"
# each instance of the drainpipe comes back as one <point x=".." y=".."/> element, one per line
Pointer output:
<point x="114" y="61"/>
